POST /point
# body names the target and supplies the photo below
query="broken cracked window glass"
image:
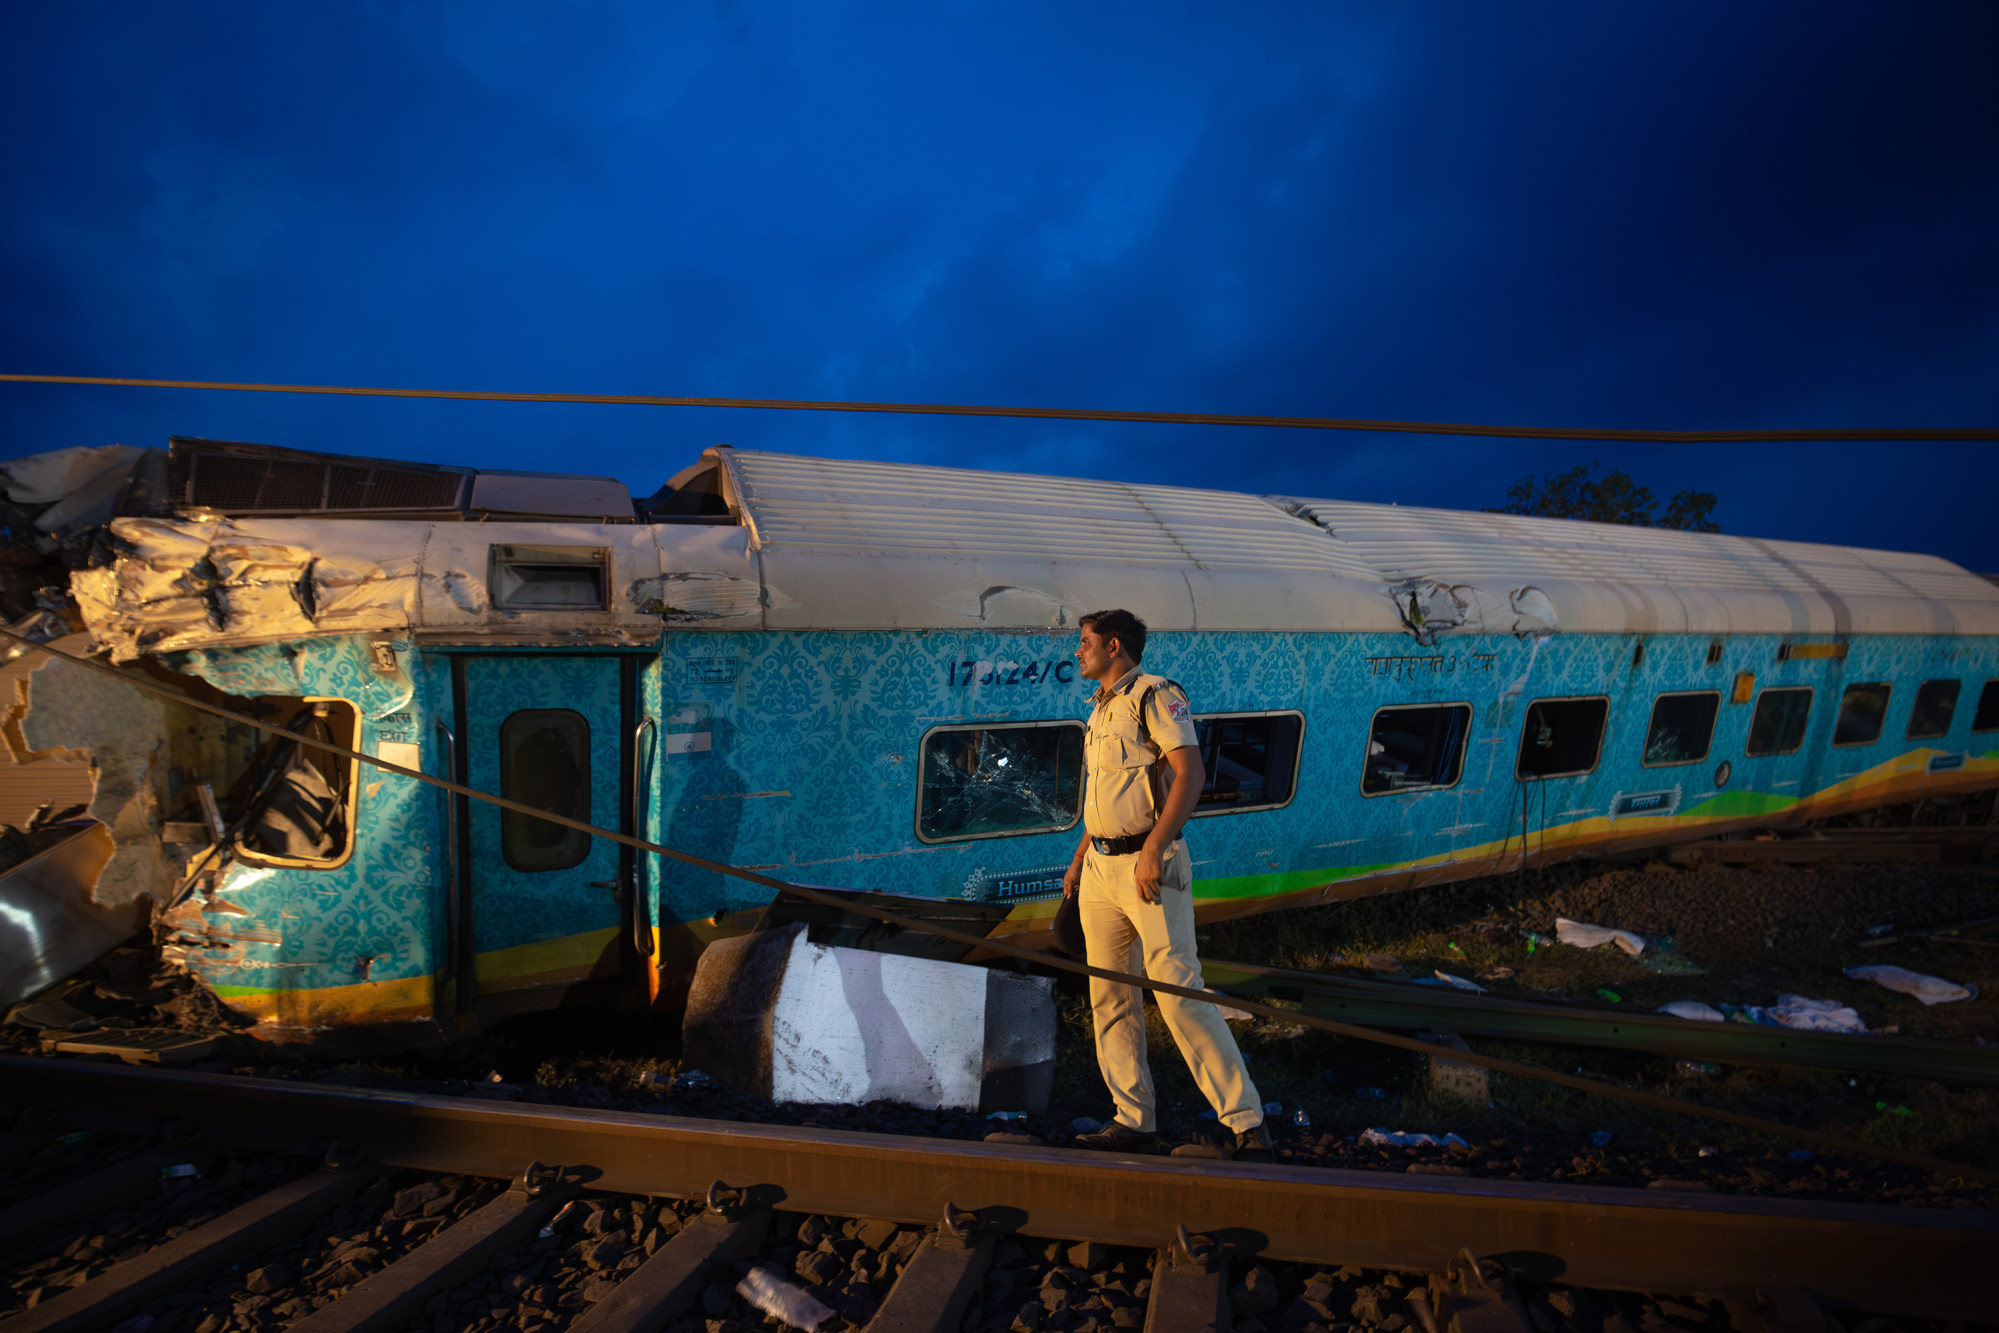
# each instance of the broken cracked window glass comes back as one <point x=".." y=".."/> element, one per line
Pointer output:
<point x="984" y="782"/>
<point x="298" y="801"/>
<point x="1682" y="728"/>
<point x="1415" y="749"/>
<point x="1251" y="760"/>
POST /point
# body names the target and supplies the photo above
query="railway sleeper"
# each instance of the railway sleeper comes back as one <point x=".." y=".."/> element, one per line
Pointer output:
<point x="456" y="1273"/>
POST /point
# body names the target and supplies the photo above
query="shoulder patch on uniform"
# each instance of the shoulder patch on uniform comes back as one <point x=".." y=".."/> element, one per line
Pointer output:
<point x="1177" y="710"/>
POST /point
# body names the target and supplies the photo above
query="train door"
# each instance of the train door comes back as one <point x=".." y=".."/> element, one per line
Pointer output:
<point x="543" y="906"/>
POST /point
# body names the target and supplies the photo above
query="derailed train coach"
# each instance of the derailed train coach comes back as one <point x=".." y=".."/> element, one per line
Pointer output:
<point x="859" y="677"/>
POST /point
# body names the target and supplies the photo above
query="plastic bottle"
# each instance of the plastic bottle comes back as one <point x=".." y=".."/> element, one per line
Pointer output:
<point x="1300" y="1120"/>
<point x="763" y="1288"/>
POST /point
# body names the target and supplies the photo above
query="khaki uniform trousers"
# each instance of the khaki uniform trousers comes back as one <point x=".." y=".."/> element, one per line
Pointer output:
<point x="1124" y="933"/>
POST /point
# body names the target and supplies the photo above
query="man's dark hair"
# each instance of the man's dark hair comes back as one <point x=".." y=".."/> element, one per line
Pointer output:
<point x="1126" y="628"/>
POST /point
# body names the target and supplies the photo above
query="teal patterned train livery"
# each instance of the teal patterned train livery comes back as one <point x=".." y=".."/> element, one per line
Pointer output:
<point x="860" y="677"/>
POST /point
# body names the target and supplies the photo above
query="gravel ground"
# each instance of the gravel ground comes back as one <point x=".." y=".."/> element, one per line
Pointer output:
<point x="848" y="1265"/>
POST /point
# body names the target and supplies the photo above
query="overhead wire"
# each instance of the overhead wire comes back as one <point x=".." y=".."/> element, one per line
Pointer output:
<point x="1655" y="1101"/>
<point x="1878" y="434"/>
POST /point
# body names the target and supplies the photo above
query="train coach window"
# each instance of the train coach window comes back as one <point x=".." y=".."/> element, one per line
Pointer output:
<point x="545" y="763"/>
<point x="1561" y="738"/>
<point x="1779" y="724"/>
<point x="298" y="802"/>
<point x="1987" y="716"/>
<point x="1862" y="710"/>
<point x="988" y="782"/>
<point x="1936" y="704"/>
<point x="1682" y="728"/>
<point x="1251" y="760"/>
<point x="1415" y="748"/>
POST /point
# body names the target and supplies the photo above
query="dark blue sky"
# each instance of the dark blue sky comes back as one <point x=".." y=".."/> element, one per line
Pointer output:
<point x="1632" y="215"/>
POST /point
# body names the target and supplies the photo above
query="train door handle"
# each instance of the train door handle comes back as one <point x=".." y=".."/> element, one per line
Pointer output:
<point x="641" y="928"/>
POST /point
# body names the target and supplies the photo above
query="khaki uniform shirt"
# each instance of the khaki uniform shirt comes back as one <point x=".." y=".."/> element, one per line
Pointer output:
<point x="1137" y="721"/>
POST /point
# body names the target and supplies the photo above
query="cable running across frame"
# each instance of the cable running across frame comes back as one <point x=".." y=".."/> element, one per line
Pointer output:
<point x="1837" y="1143"/>
<point x="1929" y="433"/>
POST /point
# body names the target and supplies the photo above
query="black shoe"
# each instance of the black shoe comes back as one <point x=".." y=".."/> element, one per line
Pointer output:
<point x="1117" y="1137"/>
<point x="1249" y="1145"/>
<point x="1254" y="1145"/>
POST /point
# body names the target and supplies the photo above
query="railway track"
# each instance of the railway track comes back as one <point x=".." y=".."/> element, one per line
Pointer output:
<point x="314" y="1208"/>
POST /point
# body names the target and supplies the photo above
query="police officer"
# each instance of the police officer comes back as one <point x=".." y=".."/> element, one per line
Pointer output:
<point x="1137" y="907"/>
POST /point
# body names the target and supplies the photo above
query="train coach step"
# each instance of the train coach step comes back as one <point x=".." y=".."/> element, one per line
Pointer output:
<point x="138" y="1046"/>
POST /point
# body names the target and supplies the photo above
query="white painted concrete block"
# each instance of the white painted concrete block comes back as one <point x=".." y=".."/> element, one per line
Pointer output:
<point x="775" y="1014"/>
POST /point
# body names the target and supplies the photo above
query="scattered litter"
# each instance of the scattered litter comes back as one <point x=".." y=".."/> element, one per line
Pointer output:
<point x="1007" y="1115"/>
<point x="652" y="1078"/>
<point x="1300" y="1120"/>
<point x="1273" y="1108"/>
<point x="1893" y="1110"/>
<point x="1370" y="1094"/>
<point x="1083" y="1124"/>
<point x="1605" y="994"/>
<point x="1795" y="1011"/>
<point x="1664" y="959"/>
<point x="1582" y="935"/>
<point x="1208" y="1114"/>
<point x="493" y="1076"/>
<point x="1709" y="1150"/>
<point x="1495" y="974"/>
<point x="550" y="1227"/>
<point x="763" y="1288"/>
<point x="1876" y="932"/>
<point x="1382" y="962"/>
<point x="691" y="1080"/>
<point x="1536" y="940"/>
<point x="1696" y="1068"/>
<point x="1600" y="1139"/>
<point x="1693" y="1010"/>
<point x="1801" y="1154"/>
<point x="1456" y="983"/>
<point x="1930" y="990"/>
<point x="1395" y="1138"/>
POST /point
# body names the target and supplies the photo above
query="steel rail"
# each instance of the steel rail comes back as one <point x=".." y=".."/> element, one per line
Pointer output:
<point x="1882" y="433"/>
<point x="1402" y="1005"/>
<point x="1913" y="1261"/>
<point x="1834" y="1142"/>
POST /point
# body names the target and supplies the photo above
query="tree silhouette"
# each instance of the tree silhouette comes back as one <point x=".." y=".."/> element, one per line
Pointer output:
<point x="1612" y="498"/>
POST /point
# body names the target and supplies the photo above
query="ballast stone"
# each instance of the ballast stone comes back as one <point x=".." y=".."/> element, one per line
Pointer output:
<point x="777" y="1015"/>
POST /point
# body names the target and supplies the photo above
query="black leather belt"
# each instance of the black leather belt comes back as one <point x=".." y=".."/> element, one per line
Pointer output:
<point x="1124" y="846"/>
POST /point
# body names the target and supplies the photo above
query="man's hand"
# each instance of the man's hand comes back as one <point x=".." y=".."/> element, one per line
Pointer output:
<point x="1072" y="879"/>
<point x="1148" y="873"/>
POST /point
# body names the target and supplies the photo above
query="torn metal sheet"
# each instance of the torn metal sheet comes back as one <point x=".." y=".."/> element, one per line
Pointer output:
<point x="196" y="583"/>
<point x="50" y="925"/>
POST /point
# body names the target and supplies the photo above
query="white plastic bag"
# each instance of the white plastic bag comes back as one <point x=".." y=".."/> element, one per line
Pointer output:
<point x="1795" y="1011"/>
<point x="1693" y="1010"/>
<point x="1584" y="936"/>
<point x="1930" y="990"/>
<point x="781" y="1300"/>
<point x="1395" y="1138"/>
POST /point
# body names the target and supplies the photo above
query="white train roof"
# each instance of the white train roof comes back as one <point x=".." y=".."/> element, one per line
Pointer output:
<point x="833" y="544"/>
<point x="861" y="544"/>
